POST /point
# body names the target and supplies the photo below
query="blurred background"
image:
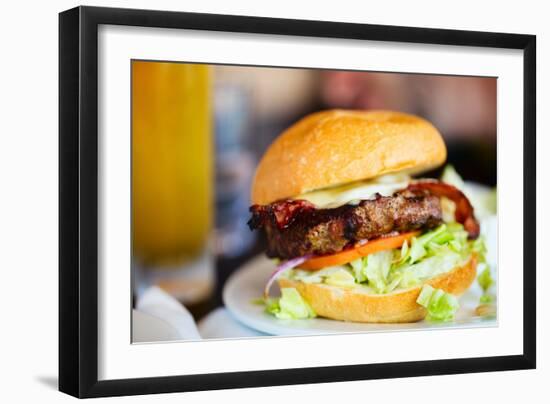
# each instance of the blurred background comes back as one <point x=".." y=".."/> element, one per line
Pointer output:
<point x="198" y="132"/>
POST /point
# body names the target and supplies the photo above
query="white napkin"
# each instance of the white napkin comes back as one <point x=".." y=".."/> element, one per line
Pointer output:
<point x="160" y="317"/>
<point x="158" y="304"/>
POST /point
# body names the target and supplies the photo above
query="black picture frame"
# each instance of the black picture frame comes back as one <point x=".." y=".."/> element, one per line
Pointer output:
<point x="78" y="200"/>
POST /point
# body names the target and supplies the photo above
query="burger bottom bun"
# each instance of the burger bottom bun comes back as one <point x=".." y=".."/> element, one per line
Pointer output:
<point x="344" y="304"/>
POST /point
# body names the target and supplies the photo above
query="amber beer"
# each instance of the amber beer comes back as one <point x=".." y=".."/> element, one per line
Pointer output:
<point x="172" y="162"/>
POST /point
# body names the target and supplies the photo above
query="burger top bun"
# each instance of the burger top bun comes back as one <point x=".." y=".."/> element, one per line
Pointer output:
<point x="335" y="147"/>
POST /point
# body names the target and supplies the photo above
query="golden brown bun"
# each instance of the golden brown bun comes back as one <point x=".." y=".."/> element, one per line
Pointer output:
<point x="344" y="304"/>
<point x="336" y="147"/>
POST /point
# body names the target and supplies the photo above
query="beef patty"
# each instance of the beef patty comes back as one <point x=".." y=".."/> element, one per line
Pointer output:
<point x="296" y="227"/>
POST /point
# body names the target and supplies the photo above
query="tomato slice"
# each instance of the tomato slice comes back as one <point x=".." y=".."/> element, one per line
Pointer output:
<point x="371" y="247"/>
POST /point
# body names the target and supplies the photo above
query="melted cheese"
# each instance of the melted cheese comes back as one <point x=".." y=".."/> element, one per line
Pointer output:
<point x="354" y="192"/>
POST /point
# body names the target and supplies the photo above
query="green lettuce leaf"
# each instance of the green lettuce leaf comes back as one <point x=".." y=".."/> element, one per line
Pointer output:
<point x="443" y="262"/>
<point x="342" y="278"/>
<point x="376" y="268"/>
<point x="480" y="248"/>
<point x="485" y="279"/>
<point x="339" y="275"/>
<point x="486" y="298"/>
<point x="290" y="306"/>
<point x="417" y="251"/>
<point x="357" y="268"/>
<point x="441" y="306"/>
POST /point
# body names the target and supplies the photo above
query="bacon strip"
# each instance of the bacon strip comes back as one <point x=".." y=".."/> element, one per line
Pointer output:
<point x="282" y="213"/>
<point x="464" y="212"/>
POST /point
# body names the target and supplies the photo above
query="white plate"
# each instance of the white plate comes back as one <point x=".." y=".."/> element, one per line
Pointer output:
<point x="247" y="284"/>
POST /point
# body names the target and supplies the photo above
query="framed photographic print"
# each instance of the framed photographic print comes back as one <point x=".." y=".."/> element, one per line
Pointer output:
<point x="252" y="201"/>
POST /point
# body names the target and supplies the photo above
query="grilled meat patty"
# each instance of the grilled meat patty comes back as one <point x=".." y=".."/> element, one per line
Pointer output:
<point x="296" y="227"/>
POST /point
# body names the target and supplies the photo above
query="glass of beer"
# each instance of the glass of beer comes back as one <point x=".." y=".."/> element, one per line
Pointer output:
<point x="172" y="179"/>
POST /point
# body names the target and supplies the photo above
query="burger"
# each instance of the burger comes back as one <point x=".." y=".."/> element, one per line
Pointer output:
<point x="354" y="232"/>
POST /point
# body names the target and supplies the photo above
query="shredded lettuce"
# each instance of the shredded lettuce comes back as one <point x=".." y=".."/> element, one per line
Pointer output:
<point x="376" y="268"/>
<point x="480" y="248"/>
<point x="357" y="267"/>
<point x="435" y="252"/>
<point x="414" y="274"/>
<point x="441" y="306"/>
<point x="485" y="279"/>
<point x="416" y="252"/>
<point x="271" y="304"/>
<point x="340" y="275"/>
<point x="342" y="278"/>
<point x="486" y="298"/>
<point x="290" y="306"/>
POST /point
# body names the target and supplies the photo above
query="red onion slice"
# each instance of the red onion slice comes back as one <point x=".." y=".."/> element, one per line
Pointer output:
<point x="292" y="263"/>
